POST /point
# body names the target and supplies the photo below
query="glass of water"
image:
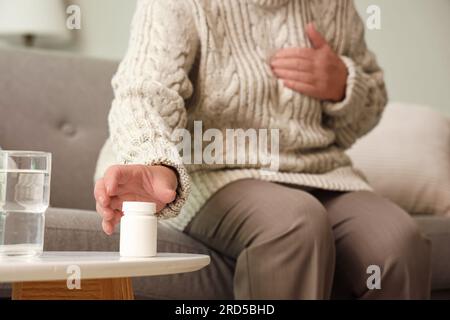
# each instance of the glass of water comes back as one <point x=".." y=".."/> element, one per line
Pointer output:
<point x="24" y="198"/>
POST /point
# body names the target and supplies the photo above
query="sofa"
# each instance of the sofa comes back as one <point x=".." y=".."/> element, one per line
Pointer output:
<point x="59" y="103"/>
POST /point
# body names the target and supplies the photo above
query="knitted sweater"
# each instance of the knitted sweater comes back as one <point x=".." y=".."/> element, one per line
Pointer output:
<point x="207" y="60"/>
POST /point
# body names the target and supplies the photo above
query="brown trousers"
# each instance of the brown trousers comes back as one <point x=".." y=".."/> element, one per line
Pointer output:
<point x="291" y="244"/>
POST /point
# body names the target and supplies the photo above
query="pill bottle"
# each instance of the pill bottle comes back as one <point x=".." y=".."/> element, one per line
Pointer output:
<point x="138" y="229"/>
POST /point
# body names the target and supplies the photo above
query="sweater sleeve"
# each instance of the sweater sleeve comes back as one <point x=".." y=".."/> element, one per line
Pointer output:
<point x="150" y="89"/>
<point x="366" y="95"/>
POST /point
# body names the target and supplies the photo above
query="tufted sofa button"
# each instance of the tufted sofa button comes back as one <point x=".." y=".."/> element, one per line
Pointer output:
<point x="68" y="129"/>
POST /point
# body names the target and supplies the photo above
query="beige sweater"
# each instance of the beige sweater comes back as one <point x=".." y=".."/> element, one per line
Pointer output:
<point x="208" y="60"/>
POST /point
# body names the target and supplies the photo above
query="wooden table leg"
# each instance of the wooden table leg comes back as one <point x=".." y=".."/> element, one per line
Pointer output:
<point x="98" y="289"/>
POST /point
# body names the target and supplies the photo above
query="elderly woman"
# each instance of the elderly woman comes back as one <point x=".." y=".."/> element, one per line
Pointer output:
<point x="296" y="66"/>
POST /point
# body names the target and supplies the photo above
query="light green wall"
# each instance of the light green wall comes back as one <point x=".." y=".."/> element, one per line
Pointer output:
<point x="105" y="27"/>
<point x="413" y="45"/>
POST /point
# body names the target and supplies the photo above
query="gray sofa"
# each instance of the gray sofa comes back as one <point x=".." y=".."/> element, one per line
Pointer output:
<point x="59" y="103"/>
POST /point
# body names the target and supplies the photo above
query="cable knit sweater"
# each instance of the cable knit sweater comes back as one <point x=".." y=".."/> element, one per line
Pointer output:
<point x="208" y="60"/>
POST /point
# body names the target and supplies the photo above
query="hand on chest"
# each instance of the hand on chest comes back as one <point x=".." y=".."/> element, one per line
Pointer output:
<point x="274" y="55"/>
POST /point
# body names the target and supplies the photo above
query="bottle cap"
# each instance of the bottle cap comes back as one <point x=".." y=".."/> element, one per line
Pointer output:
<point x="134" y="207"/>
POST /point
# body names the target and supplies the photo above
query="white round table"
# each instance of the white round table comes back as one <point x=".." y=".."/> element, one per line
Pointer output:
<point x="89" y="275"/>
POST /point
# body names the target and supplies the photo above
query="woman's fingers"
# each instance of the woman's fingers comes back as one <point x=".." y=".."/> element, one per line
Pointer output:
<point x="110" y="219"/>
<point x="303" y="88"/>
<point x="297" y="64"/>
<point x="118" y="175"/>
<point x="158" y="182"/>
<point x="294" y="75"/>
<point x="304" y="53"/>
<point x="108" y="227"/>
<point x="111" y="224"/>
<point x="296" y="72"/>
<point x="106" y="213"/>
<point x="117" y="202"/>
<point x="121" y="183"/>
<point x="100" y="193"/>
<point x="317" y="39"/>
<point x="117" y="218"/>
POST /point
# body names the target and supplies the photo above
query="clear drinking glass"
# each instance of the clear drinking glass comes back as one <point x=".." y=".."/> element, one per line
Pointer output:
<point x="24" y="198"/>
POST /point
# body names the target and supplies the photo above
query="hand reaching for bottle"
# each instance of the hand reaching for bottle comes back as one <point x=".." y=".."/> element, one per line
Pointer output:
<point x="121" y="183"/>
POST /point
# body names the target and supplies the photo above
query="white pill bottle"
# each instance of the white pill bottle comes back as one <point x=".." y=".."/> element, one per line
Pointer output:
<point x="138" y="230"/>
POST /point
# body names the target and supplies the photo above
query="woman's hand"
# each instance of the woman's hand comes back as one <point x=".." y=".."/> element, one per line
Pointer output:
<point x="316" y="72"/>
<point x="121" y="183"/>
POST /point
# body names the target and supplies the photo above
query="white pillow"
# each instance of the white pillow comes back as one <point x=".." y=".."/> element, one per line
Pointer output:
<point x="407" y="158"/>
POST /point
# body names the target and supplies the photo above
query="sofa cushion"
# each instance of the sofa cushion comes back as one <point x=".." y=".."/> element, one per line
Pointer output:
<point x="407" y="158"/>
